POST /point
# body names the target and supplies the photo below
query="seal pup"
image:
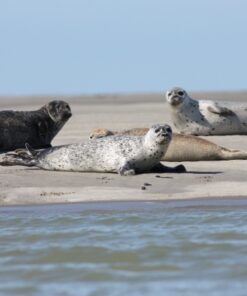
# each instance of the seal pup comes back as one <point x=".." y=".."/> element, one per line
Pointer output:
<point x="182" y="147"/>
<point x="205" y="117"/>
<point x="37" y="127"/>
<point x="122" y="154"/>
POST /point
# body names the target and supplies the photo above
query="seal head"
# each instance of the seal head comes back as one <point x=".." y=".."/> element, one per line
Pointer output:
<point x="59" y="111"/>
<point x="176" y="96"/>
<point x="100" y="133"/>
<point x="159" y="134"/>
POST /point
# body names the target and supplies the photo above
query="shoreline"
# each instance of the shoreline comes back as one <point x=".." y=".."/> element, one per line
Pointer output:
<point x="134" y="205"/>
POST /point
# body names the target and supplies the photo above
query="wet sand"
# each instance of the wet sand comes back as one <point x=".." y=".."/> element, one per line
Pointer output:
<point x="205" y="179"/>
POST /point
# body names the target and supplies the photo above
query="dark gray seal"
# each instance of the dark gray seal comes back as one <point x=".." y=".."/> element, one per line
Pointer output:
<point x="206" y="117"/>
<point x="37" y="128"/>
<point x="125" y="155"/>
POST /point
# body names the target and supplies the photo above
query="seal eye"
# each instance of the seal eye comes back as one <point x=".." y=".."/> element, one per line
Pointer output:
<point x="157" y="130"/>
<point x="169" y="94"/>
<point x="180" y="93"/>
<point x="169" y="130"/>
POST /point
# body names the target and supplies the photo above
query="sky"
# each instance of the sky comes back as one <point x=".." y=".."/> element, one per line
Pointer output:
<point x="121" y="46"/>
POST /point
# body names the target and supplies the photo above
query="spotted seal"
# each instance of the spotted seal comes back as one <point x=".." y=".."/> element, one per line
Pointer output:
<point x="37" y="127"/>
<point x="182" y="147"/>
<point x="122" y="154"/>
<point x="205" y="117"/>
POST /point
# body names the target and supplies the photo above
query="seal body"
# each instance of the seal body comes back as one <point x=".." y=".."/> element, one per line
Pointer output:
<point x="205" y="117"/>
<point x="122" y="154"/>
<point x="182" y="147"/>
<point x="35" y="127"/>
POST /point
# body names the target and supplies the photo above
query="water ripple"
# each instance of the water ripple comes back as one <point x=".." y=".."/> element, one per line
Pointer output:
<point x="135" y="249"/>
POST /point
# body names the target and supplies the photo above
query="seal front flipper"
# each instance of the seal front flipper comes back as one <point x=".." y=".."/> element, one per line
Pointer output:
<point x="160" y="168"/>
<point x="126" y="170"/>
<point x="29" y="150"/>
<point x="216" y="109"/>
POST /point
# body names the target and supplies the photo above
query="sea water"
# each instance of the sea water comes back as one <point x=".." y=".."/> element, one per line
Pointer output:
<point x="133" y="248"/>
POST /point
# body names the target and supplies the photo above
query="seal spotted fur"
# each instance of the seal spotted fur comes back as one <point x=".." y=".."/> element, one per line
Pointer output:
<point x="182" y="147"/>
<point x="37" y="128"/>
<point x="205" y="117"/>
<point x="122" y="154"/>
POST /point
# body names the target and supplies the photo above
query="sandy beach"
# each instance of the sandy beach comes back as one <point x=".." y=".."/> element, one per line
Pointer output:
<point x="205" y="179"/>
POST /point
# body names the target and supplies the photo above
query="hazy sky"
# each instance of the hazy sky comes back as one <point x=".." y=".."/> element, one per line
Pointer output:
<point x="105" y="46"/>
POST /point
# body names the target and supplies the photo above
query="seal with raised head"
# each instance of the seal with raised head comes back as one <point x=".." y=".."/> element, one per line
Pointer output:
<point x="37" y="128"/>
<point x="182" y="147"/>
<point x="122" y="154"/>
<point x="206" y="117"/>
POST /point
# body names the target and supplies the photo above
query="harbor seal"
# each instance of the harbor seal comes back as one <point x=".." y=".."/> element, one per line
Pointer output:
<point x="37" y="128"/>
<point x="182" y="147"/>
<point x="122" y="154"/>
<point x="205" y="117"/>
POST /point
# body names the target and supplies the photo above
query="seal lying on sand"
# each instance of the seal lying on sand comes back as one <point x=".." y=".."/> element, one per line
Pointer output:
<point x="182" y="147"/>
<point x="206" y="117"/>
<point x="37" y="128"/>
<point x="122" y="154"/>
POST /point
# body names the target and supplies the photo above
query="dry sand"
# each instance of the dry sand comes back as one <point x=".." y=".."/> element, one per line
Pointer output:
<point x="206" y="179"/>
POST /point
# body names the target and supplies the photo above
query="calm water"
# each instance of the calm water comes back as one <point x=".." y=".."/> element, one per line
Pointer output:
<point x="170" y="248"/>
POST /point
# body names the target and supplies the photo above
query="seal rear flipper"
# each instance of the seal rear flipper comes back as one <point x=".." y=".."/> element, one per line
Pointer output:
<point x="160" y="168"/>
<point x="11" y="159"/>
<point x="230" y="154"/>
<point x="25" y="157"/>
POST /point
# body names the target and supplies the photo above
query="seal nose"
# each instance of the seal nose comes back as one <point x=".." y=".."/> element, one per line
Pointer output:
<point x="166" y="131"/>
<point x="175" y="100"/>
<point x="67" y="112"/>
